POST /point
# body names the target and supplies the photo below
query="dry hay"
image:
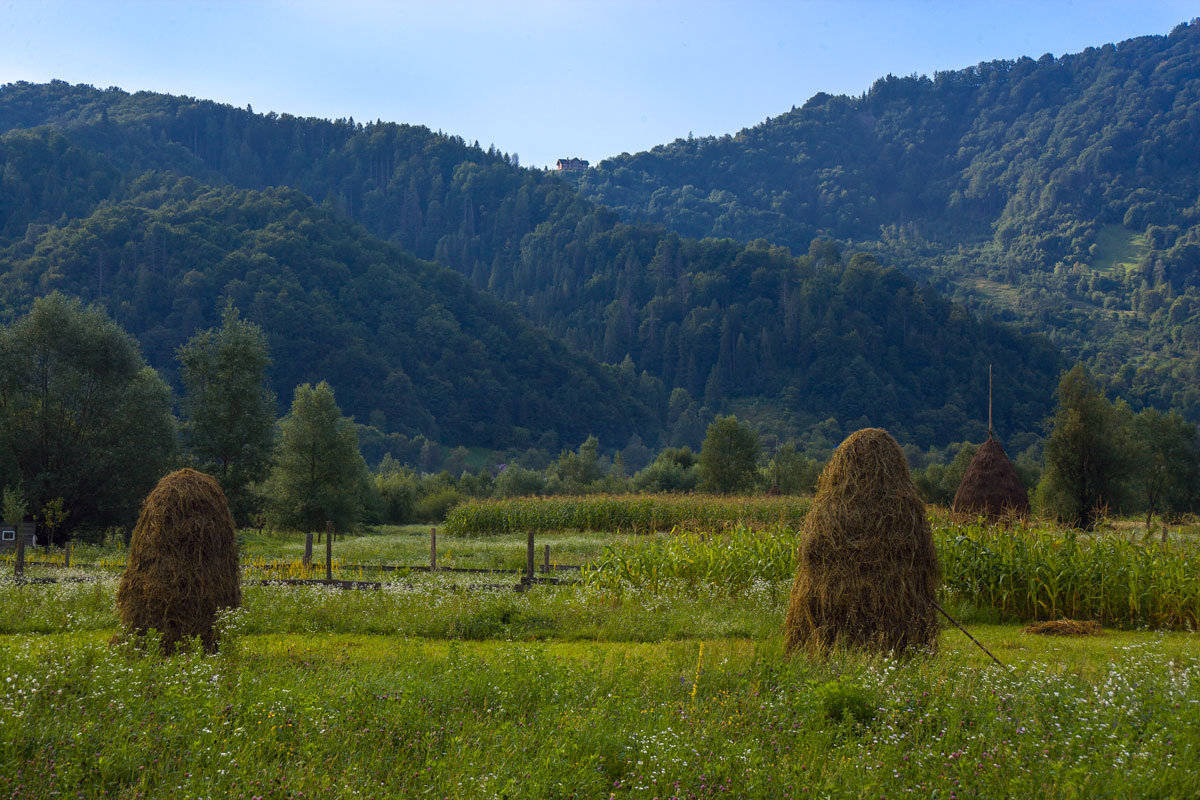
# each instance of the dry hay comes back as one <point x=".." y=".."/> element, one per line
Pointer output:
<point x="990" y="487"/>
<point x="1064" y="627"/>
<point x="867" y="573"/>
<point x="183" y="562"/>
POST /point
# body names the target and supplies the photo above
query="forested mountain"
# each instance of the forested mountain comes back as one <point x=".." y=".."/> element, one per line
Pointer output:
<point x="409" y="346"/>
<point x="696" y="325"/>
<point x="1060" y="192"/>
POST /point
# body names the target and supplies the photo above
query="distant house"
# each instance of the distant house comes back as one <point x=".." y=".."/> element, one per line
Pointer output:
<point x="571" y="165"/>
<point x="9" y="534"/>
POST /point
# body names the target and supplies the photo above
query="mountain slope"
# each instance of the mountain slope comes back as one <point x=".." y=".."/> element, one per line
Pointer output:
<point x="718" y="324"/>
<point x="401" y="340"/>
<point x="1063" y="194"/>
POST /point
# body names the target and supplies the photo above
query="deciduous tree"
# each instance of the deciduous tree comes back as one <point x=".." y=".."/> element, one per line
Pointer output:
<point x="81" y="415"/>
<point x="229" y="406"/>
<point x="318" y="474"/>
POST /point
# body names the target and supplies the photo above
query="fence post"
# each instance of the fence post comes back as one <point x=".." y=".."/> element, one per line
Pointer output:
<point x="19" y="564"/>
<point x="308" y="543"/>
<point x="529" y="557"/>
<point x="546" y="565"/>
<point x="433" y="549"/>
<point x="328" y="551"/>
<point x="68" y="561"/>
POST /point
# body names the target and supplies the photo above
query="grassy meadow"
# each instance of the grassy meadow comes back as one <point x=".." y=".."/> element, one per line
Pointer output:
<point x="659" y="674"/>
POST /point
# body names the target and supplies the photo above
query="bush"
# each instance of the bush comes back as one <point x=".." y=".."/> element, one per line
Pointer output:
<point x="434" y="507"/>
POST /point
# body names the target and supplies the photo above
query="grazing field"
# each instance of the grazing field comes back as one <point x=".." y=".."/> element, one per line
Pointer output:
<point x="318" y="693"/>
<point x="660" y="674"/>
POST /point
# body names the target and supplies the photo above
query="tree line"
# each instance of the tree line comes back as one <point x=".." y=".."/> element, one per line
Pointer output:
<point x="86" y="428"/>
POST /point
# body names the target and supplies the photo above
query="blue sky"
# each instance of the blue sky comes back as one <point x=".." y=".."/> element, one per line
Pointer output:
<point x="542" y="79"/>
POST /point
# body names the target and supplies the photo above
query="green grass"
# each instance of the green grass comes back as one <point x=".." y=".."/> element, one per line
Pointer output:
<point x="409" y="545"/>
<point x="337" y="715"/>
<point x="1118" y="249"/>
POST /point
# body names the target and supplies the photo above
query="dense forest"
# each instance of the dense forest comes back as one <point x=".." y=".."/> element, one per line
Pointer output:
<point x="825" y="339"/>
<point x="1061" y="193"/>
<point x="410" y="345"/>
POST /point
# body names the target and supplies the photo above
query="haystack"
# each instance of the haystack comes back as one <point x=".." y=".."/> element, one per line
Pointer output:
<point x="990" y="487"/>
<point x="867" y="573"/>
<point x="183" y="562"/>
<point x="1064" y="627"/>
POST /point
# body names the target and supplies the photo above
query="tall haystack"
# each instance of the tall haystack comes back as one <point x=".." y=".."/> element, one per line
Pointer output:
<point x="867" y="574"/>
<point x="183" y="561"/>
<point x="990" y="487"/>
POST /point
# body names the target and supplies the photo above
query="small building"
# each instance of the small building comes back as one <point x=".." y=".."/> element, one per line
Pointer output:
<point x="571" y="165"/>
<point x="9" y="534"/>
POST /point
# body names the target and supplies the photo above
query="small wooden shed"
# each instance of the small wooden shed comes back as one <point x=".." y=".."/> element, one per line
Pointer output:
<point x="10" y="533"/>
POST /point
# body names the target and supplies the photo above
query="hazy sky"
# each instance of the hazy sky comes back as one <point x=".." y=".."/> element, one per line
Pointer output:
<point x="590" y="78"/>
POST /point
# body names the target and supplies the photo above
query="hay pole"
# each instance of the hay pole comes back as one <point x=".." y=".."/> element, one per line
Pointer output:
<point x="954" y="622"/>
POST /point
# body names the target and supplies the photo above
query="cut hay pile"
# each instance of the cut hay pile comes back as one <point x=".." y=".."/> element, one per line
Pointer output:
<point x="1064" y="627"/>
<point x="183" y="562"/>
<point x="867" y="574"/>
<point x="990" y="487"/>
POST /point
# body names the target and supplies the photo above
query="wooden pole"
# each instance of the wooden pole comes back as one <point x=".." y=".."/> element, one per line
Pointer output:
<point x="19" y="565"/>
<point x="546" y="559"/>
<point x="433" y="549"/>
<point x="328" y="551"/>
<point x="529" y="557"/>
<point x="308" y="543"/>
<point x="989" y="401"/>
<point x="68" y="561"/>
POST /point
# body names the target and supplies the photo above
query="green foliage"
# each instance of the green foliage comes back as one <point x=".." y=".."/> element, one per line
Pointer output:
<point x="13" y="506"/>
<point x="938" y="483"/>
<point x="843" y="700"/>
<point x="229" y="409"/>
<point x="397" y="488"/>
<point x="791" y="472"/>
<point x="577" y="472"/>
<point x="1035" y="573"/>
<point x="82" y="417"/>
<point x="1088" y="454"/>
<point x="1026" y="572"/>
<point x="630" y="513"/>
<point x="721" y="321"/>
<point x="729" y="457"/>
<point x="1167" y="470"/>
<point x="403" y="341"/>
<point x="515" y="481"/>
<point x="728" y="561"/>
<point x="318" y="473"/>
<point x="434" y="507"/>
<point x="673" y="470"/>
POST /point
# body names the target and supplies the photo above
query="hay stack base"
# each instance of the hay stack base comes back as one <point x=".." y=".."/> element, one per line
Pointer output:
<point x="1064" y="627"/>
<point x="990" y="487"/>
<point x="183" y="563"/>
<point x="867" y="573"/>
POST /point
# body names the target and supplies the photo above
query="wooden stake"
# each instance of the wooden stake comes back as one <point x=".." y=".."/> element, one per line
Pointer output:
<point x="19" y="565"/>
<point x="529" y="556"/>
<point x="433" y="549"/>
<point x="328" y="551"/>
<point x="954" y="622"/>
<point x="989" y="401"/>
<point x="546" y="565"/>
<point x="308" y="543"/>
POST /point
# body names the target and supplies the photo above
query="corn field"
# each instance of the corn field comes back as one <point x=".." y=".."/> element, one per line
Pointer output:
<point x="627" y="513"/>
<point x="1027" y="573"/>
<point x="1042" y="573"/>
